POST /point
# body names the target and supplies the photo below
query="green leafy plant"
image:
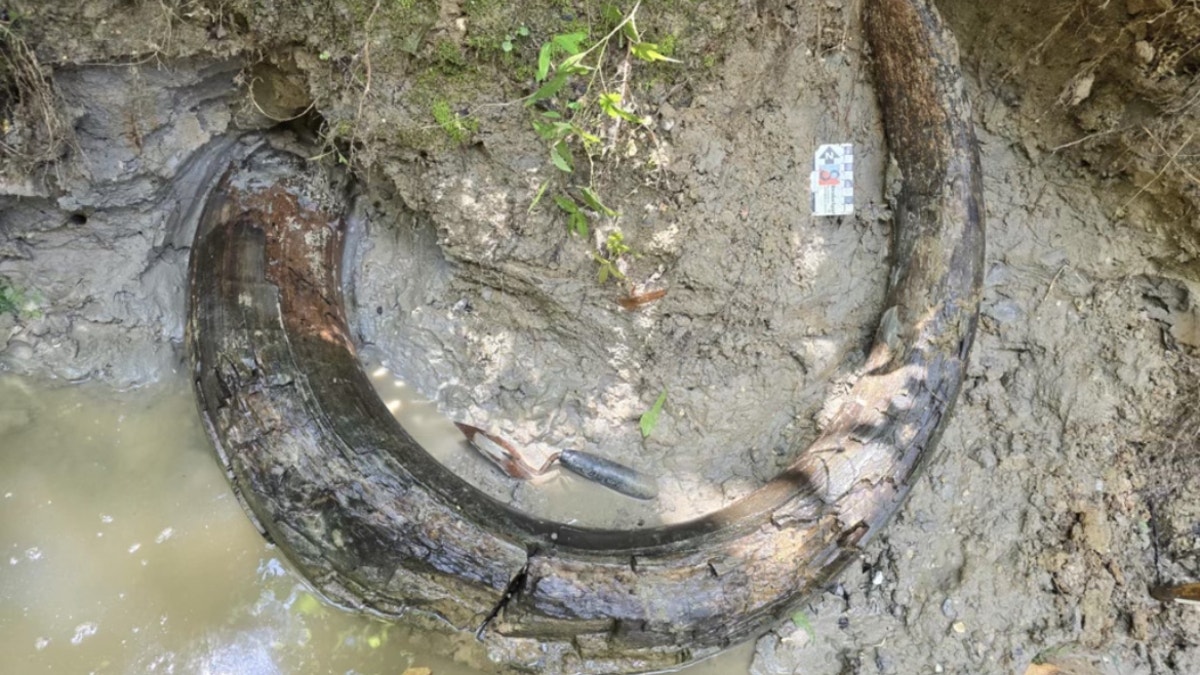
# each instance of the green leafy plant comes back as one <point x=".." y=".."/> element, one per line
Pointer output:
<point x="614" y="248"/>
<point x="649" y="419"/>
<point x="574" y="98"/>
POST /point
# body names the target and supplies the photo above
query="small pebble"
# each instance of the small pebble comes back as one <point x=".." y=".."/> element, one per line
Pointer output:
<point x="959" y="627"/>
<point x="1144" y="51"/>
<point x="948" y="609"/>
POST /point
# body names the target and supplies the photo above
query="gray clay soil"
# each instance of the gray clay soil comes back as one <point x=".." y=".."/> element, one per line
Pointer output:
<point x="1064" y="487"/>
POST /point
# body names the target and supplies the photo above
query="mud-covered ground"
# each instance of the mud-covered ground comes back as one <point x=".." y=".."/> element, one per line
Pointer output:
<point x="1062" y="489"/>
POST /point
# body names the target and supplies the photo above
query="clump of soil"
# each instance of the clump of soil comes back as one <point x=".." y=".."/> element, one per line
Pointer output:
<point x="1060" y="494"/>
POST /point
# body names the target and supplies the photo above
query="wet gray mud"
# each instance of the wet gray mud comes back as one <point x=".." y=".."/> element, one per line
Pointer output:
<point x="1062" y="489"/>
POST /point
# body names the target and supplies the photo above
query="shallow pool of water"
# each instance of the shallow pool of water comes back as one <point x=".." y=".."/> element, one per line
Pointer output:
<point x="557" y="495"/>
<point x="124" y="551"/>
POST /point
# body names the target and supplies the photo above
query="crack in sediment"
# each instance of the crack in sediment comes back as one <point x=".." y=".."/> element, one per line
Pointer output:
<point x="510" y="591"/>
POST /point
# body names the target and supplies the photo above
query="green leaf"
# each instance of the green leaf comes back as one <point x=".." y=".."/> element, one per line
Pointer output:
<point x="523" y="31"/>
<point x="570" y="42"/>
<point x="566" y="204"/>
<point x="555" y="131"/>
<point x="586" y="136"/>
<point x="593" y="201"/>
<point x="607" y="268"/>
<point x="649" y="418"/>
<point x="549" y="89"/>
<point x="611" y="14"/>
<point x="800" y="620"/>
<point x="610" y="103"/>
<point x="538" y="197"/>
<point x="544" y="55"/>
<point x="577" y="222"/>
<point x="571" y="65"/>
<point x="506" y="45"/>
<point x="546" y="131"/>
<point x="648" y="51"/>
<point x="560" y="154"/>
<point x="631" y="32"/>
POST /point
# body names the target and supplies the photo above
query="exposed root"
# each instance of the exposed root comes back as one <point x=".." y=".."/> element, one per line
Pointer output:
<point x="614" y="130"/>
<point x="1035" y="53"/>
<point x="366" y="53"/>
<point x="33" y="129"/>
<point x="1171" y="161"/>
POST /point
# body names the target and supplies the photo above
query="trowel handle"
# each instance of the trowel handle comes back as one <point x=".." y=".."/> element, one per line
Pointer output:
<point x="610" y="474"/>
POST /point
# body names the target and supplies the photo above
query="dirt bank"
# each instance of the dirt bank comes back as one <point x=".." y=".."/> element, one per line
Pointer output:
<point x="1060" y="491"/>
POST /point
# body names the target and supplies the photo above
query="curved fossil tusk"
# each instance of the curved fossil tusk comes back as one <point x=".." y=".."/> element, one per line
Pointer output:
<point x="376" y="523"/>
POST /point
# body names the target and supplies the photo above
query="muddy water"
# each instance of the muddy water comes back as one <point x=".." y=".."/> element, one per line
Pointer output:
<point x="124" y="551"/>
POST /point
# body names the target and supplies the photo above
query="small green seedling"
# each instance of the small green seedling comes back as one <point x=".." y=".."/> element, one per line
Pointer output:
<point x="649" y="418"/>
<point x="614" y="247"/>
<point x="593" y="202"/>
<point x="10" y="299"/>
<point x="610" y="103"/>
<point x="18" y="302"/>
<point x="608" y="268"/>
<point x="537" y="198"/>
<point x="800" y="620"/>
<point x="507" y="45"/>
<point x="576" y="220"/>
<point x="577" y="213"/>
